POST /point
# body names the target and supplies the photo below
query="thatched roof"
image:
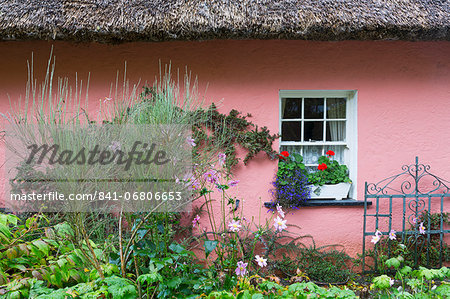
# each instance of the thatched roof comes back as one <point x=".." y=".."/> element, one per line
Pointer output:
<point x="158" y="20"/>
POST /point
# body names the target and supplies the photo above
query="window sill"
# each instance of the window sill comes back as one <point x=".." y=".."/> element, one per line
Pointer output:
<point x="348" y="202"/>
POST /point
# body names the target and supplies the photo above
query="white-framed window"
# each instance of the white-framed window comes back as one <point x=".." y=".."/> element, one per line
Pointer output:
<point x="315" y="121"/>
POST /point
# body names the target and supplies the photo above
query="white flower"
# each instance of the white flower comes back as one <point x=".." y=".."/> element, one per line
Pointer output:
<point x="421" y="228"/>
<point x="262" y="262"/>
<point x="280" y="224"/>
<point x="234" y="226"/>
<point x="280" y="211"/>
<point x="391" y="282"/>
<point x="377" y="237"/>
<point x="392" y="235"/>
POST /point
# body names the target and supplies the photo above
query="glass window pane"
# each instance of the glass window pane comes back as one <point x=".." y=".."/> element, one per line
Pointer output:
<point x="291" y="131"/>
<point x="313" y="131"/>
<point x="292" y="108"/>
<point x="336" y="108"/>
<point x="311" y="154"/>
<point x="313" y="108"/>
<point x="335" y="131"/>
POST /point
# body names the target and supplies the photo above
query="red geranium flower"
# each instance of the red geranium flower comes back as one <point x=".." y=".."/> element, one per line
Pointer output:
<point x="285" y="154"/>
<point x="330" y="153"/>
<point x="322" y="167"/>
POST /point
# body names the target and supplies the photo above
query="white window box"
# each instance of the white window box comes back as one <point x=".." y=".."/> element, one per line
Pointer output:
<point x="337" y="191"/>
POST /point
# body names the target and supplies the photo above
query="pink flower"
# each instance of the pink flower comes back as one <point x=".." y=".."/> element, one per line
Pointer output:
<point x="195" y="185"/>
<point x="241" y="269"/>
<point x="421" y="228"/>
<point x="280" y="224"/>
<point x="195" y="221"/>
<point x="280" y="211"/>
<point x="233" y="183"/>
<point x="234" y="226"/>
<point x="377" y="237"/>
<point x="414" y="220"/>
<point x="262" y="262"/>
<point x="191" y="141"/>
<point x="211" y="176"/>
<point x="392" y="235"/>
<point x="222" y="158"/>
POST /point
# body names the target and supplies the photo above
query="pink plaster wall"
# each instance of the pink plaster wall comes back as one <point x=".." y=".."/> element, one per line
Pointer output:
<point x="403" y="100"/>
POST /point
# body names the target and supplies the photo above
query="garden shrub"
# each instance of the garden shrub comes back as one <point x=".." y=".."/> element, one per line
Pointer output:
<point x="29" y="251"/>
<point x="387" y="247"/>
<point x="409" y="283"/>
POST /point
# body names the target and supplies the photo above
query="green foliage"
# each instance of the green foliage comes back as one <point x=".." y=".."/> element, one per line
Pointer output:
<point x="268" y="290"/>
<point x="324" y="265"/>
<point x="29" y="251"/>
<point x="335" y="173"/>
<point x="111" y="287"/>
<point x="210" y="127"/>
<point x="420" y="283"/>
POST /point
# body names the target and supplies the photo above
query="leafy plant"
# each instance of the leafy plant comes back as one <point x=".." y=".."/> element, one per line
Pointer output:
<point x="29" y="251"/>
<point x="329" y="172"/>
<point x="212" y="128"/>
<point x="269" y="289"/>
<point x="420" y="283"/>
<point x="110" y="287"/>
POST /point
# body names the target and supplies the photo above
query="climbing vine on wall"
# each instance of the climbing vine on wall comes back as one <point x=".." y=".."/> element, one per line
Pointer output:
<point x="211" y="127"/>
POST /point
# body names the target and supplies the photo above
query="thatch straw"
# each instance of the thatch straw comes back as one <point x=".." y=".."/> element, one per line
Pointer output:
<point x="158" y="20"/>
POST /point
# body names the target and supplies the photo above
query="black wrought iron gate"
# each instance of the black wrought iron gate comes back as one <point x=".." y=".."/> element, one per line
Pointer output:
<point x="422" y="201"/>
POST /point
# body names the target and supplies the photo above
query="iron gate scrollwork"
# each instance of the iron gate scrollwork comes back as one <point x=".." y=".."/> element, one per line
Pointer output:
<point x="420" y="196"/>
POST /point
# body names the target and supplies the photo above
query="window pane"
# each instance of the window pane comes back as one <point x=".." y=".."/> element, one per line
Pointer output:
<point x="291" y="130"/>
<point x="313" y="108"/>
<point x="292" y="108"/>
<point x="313" y="131"/>
<point x="336" y="108"/>
<point x="335" y="130"/>
<point x="311" y="154"/>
